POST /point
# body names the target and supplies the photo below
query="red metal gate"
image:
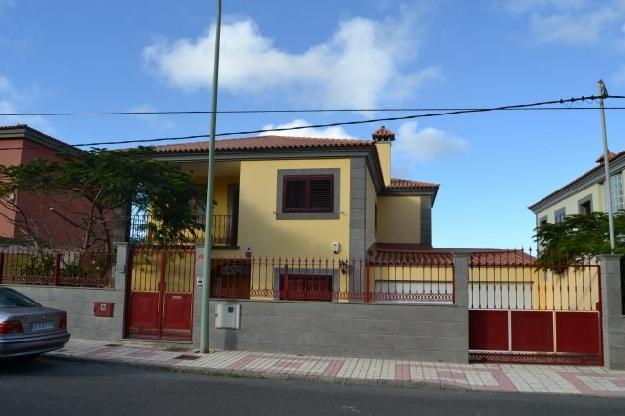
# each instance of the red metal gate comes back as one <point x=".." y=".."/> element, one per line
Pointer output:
<point x="161" y="293"/>
<point x="520" y="312"/>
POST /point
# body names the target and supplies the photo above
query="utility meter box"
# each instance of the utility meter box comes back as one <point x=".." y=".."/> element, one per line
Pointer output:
<point x="228" y="315"/>
<point x="103" y="309"/>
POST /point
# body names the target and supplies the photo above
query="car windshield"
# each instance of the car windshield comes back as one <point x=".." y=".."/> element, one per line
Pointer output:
<point x="12" y="299"/>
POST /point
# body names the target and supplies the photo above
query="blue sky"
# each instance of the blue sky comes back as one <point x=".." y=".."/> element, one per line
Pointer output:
<point x="142" y="55"/>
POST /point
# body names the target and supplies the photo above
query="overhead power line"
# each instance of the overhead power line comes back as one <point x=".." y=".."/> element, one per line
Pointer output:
<point x="347" y="123"/>
<point x="321" y="110"/>
<point x="330" y="110"/>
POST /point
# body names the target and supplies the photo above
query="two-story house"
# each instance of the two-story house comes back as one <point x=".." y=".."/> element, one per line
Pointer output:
<point x="585" y="194"/>
<point x="314" y="197"/>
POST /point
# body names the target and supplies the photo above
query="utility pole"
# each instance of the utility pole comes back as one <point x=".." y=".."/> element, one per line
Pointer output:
<point x="607" y="189"/>
<point x="208" y="222"/>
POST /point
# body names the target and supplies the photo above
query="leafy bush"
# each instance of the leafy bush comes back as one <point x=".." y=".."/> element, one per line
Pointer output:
<point x="41" y="264"/>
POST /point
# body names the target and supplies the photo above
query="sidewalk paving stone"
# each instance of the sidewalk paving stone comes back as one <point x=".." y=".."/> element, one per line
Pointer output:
<point x="596" y="381"/>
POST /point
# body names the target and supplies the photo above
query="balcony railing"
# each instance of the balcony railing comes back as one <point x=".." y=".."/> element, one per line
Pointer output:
<point x="224" y="230"/>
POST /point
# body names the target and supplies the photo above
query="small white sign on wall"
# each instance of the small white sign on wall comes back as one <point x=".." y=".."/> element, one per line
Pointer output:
<point x="199" y="270"/>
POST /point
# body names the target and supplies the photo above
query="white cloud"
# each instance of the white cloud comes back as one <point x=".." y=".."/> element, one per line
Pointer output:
<point x="569" y="21"/>
<point x="415" y="145"/>
<point x="154" y="122"/>
<point x="10" y="99"/>
<point x="524" y="6"/>
<point x="361" y="65"/>
<point x="328" y="132"/>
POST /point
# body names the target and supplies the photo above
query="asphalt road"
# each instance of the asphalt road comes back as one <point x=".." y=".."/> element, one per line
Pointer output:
<point x="53" y="387"/>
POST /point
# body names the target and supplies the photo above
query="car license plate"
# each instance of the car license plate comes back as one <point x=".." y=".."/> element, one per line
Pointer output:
<point x="42" y="326"/>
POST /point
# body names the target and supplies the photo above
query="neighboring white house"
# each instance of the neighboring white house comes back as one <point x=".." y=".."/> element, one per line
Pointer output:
<point x="585" y="194"/>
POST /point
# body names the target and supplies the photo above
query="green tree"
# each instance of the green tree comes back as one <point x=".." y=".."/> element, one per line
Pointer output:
<point x="103" y="183"/>
<point x="578" y="238"/>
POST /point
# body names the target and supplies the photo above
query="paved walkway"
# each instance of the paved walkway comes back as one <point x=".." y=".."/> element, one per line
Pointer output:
<point x="491" y="377"/>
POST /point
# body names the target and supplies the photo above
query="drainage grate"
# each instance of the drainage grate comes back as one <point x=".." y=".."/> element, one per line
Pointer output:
<point x="176" y="349"/>
<point x="186" y="357"/>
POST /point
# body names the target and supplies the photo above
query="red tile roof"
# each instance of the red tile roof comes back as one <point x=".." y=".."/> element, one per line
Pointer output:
<point x="410" y="184"/>
<point x="611" y="155"/>
<point x="42" y="138"/>
<point x="416" y="254"/>
<point x="588" y="173"/>
<point x="264" y="143"/>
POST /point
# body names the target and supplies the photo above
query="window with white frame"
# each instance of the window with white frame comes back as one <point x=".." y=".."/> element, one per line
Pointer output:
<point x="616" y="192"/>
<point x="559" y="215"/>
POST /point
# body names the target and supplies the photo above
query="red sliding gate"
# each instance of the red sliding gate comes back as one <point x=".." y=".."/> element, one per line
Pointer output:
<point x="521" y="313"/>
<point x="161" y="293"/>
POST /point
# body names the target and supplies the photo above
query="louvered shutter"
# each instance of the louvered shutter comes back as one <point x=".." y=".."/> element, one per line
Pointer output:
<point x="321" y="194"/>
<point x="295" y="198"/>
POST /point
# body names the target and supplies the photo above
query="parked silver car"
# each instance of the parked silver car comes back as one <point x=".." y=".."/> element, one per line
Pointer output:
<point x="28" y="328"/>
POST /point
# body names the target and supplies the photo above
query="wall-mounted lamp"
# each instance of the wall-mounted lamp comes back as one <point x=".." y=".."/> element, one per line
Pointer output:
<point x="343" y="266"/>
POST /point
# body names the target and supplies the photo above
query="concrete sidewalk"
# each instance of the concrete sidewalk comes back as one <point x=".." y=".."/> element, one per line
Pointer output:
<point x="595" y="381"/>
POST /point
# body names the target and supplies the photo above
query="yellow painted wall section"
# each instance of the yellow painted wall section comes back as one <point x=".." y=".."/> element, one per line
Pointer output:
<point x="372" y="198"/>
<point x="571" y="204"/>
<point x="220" y="196"/>
<point x="221" y="193"/>
<point x="399" y="219"/>
<point x="384" y="153"/>
<point x="269" y="237"/>
<point x="577" y="288"/>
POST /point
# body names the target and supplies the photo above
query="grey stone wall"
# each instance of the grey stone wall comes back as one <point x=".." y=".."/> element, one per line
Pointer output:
<point x="412" y="332"/>
<point x="79" y="302"/>
<point x="394" y="331"/>
<point x="357" y="208"/>
<point x="612" y="314"/>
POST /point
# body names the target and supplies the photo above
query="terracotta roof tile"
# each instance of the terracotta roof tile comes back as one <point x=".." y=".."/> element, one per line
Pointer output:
<point x="611" y="155"/>
<point x="416" y="254"/>
<point x="410" y="184"/>
<point x="264" y="143"/>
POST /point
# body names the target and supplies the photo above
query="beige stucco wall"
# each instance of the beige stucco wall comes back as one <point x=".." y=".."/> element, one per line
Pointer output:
<point x="372" y="198"/>
<point x="384" y="153"/>
<point x="571" y="205"/>
<point x="269" y="237"/>
<point x="399" y="219"/>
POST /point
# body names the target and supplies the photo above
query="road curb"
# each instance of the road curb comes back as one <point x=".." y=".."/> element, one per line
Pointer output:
<point x="262" y="375"/>
<point x="250" y="374"/>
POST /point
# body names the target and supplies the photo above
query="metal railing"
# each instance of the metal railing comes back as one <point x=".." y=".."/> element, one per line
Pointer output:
<point x="341" y="280"/>
<point x="47" y="267"/>
<point x="224" y="230"/>
<point x="516" y="280"/>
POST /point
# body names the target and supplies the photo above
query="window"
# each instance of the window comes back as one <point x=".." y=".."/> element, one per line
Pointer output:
<point x="308" y="193"/>
<point x="559" y="215"/>
<point x="585" y="205"/>
<point x="542" y="221"/>
<point x="306" y="287"/>
<point x="616" y="192"/>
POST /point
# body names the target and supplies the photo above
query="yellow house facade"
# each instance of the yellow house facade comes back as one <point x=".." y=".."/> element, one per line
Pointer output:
<point x="317" y="198"/>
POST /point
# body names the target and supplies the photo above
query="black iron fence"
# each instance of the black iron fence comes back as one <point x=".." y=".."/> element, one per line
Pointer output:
<point x="223" y="234"/>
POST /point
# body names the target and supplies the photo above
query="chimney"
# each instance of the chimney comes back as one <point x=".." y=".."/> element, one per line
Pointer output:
<point x="383" y="138"/>
<point x="611" y="155"/>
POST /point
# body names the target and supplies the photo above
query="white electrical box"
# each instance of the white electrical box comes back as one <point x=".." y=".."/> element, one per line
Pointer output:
<point x="336" y="247"/>
<point x="228" y="315"/>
